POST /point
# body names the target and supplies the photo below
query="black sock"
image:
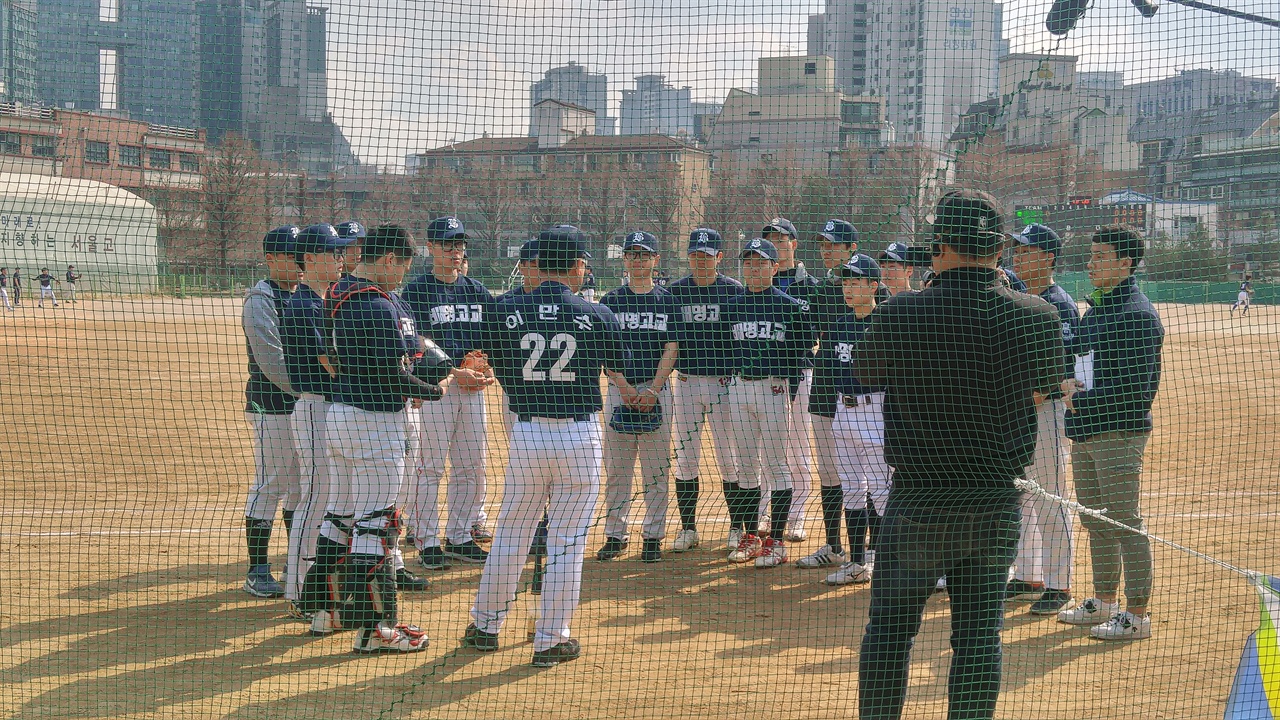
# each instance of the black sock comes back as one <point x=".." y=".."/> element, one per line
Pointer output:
<point x="857" y="522"/>
<point x="779" y="512"/>
<point x="287" y="517"/>
<point x="687" y="503"/>
<point x="832" y="499"/>
<point x="257" y="535"/>
<point x="749" y="502"/>
<point x="873" y="522"/>
<point x="732" y="501"/>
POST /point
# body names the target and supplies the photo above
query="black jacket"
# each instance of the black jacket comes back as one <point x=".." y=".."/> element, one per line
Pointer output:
<point x="959" y="361"/>
<point x="1120" y="336"/>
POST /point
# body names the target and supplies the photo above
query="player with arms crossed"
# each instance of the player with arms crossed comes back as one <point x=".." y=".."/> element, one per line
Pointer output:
<point x="269" y="401"/>
<point x="451" y="308"/>
<point x="704" y="374"/>
<point x="72" y="277"/>
<point x="647" y="314"/>
<point x="548" y="348"/>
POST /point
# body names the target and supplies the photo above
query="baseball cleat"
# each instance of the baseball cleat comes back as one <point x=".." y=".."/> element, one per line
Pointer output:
<point x="850" y="573"/>
<point x="408" y="582"/>
<point x="260" y="583"/>
<point x="749" y="548"/>
<point x="1051" y="602"/>
<point x="478" y="639"/>
<point x="685" y="540"/>
<point x="651" y="552"/>
<point x="822" y="557"/>
<point x="295" y="613"/>
<point x="613" y="547"/>
<point x="735" y="537"/>
<point x="1124" y="626"/>
<point x="401" y="638"/>
<point x="1022" y="590"/>
<point x="1090" y="612"/>
<point x="432" y="558"/>
<point x="564" y="652"/>
<point x="796" y="532"/>
<point x="468" y="552"/>
<point x="325" y="622"/>
<point x="480" y="532"/>
<point x="772" y="554"/>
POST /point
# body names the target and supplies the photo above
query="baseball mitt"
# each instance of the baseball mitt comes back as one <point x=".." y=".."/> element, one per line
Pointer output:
<point x="477" y="361"/>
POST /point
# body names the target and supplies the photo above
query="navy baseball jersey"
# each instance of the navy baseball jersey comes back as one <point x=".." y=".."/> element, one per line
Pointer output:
<point x="1069" y="311"/>
<point x="4" y="280"/>
<point x="648" y="323"/>
<point x="547" y="349"/>
<point x="514" y="292"/>
<point x="803" y="287"/>
<point x="706" y="344"/>
<point x="841" y="340"/>
<point x="771" y="334"/>
<point x="302" y="337"/>
<point x="17" y="278"/>
<point x="451" y="314"/>
<point x="45" y="279"/>
<point x="375" y="341"/>
<point x="72" y="277"/>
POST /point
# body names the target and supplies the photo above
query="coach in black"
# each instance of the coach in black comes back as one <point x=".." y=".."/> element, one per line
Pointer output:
<point x="964" y="363"/>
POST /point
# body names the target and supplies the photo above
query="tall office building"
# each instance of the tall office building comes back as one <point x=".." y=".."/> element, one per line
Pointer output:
<point x="573" y="84"/>
<point x="18" y="52"/>
<point x="133" y="58"/>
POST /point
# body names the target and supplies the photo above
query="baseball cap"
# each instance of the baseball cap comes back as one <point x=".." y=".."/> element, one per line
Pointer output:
<point x="761" y="247"/>
<point x="641" y="240"/>
<point x="780" y="225"/>
<point x="319" y="239"/>
<point x="562" y="243"/>
<point x="705" y="240"/>
<point x="860" y="266"/>
<point x="970" y="222"/>
<point x="896" y="252"/>
<point x="529" y="250"/>
<point x="446" y="228"/>
<point x="351" y="229"/>
<point x="1041" y="237"/>
<point x="280" y="240"/>
<point x="839" y="231"/>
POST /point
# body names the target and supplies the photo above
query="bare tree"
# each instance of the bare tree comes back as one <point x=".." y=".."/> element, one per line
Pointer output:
<point x="232" y="198"/>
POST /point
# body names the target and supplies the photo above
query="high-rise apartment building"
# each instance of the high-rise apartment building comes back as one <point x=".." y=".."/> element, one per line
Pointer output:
<point x="654" y="107"/>
<point x="18" y="52"/>
<point x="573" y="84"/>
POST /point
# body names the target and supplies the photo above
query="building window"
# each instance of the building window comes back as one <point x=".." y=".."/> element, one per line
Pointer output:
<point x="97" y="152"/>
<point x="753" y="113"/>
<point x="1195" y="145"/>
<point x="44" y="146"/>
<point x="673" y="158"/>
<point x="753" y="139"/>
<point x="159" y="159"/>
<point x="189" y="162"/>
<point x="1215" y="192"/>
<point x="109" y="11"/>
<point x="130" y="156"/>
<point x="811" y="68"/>
<point x="10" y="143"/>
<point x="107" y="79"/>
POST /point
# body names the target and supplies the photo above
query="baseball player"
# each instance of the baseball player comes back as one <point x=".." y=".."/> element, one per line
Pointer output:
<point x="269" y="400"/>
<point x="17" y="286"/>
<point x="451" y="308"/>
<point x="1242" y="298"/>
<point x="771" y="340"/>
<point x="548" y="348"/>
<point x="46" y="287"/>
<point x="704" y="372"/>
<point x="72" y="277"/>
<point x="4" y="288"/>
<point x="1046" y="547"/>
<point x="895" y="269"/>
<point x="380" y="360"/>
<point x="794" y="280"/>
<point x="647" y="314"/>
<point x="588" y="291"/>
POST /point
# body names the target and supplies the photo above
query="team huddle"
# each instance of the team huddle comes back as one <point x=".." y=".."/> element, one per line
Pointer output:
<point x="363" y="389"/>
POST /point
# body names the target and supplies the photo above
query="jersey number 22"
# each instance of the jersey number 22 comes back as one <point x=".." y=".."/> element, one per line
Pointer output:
<point x="537" y="344"/>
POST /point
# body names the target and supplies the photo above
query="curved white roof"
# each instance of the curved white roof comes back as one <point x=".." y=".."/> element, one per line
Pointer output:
<point x="68" y="190"/>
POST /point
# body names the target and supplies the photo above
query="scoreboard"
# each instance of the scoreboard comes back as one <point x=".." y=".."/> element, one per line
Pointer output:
<point x="1082" y="216"/>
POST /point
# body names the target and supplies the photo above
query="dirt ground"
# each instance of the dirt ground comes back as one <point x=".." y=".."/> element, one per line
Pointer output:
<point x="126" y="457"/>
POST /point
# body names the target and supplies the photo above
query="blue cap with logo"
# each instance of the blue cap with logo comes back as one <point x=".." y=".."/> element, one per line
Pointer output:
<point x="280" y="240"/>
<point x="839" y="231"/>
<point x="861" y="266"/>
<point x="896" y="252"/>
<point x="781" y="225"/>
<point x="761" y="247"/>
<point x="529" y="250"/>
<point x="640" y="240"/>
<point x="1041" y="237"/>
<point x="446" y="228"/>
<point x="319" y="239"/>
<point x="351" y="229"/>
<point x="705" y="240"/>
<point x="562" y="242"/>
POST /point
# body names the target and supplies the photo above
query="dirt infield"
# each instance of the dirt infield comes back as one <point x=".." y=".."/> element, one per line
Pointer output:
<point x="126" y="457"/>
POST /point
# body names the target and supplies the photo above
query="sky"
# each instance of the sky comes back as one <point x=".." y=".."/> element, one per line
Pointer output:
<point x="410" y="75"/>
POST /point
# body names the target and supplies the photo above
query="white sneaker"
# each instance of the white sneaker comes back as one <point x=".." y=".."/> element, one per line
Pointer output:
<point x="796" y="531"/>
<point x="324" y="623"/>
<point x="823" y="557"/>
<point x="1090" y="612"/>
<point x="749" y="548"/>
<point x="401" y="638"/>
<point x="941" y="585"/>
<point x="735" y="537"/>
<point x="772" y="554"/>
<point x="850" y="573"/>
<point x="685" y="540"/>
<point x="1124" y="626"/>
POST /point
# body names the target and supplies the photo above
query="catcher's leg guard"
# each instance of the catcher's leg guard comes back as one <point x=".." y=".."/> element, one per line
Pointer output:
<point x="320" y="587"/>
<point x="368" y="591"/>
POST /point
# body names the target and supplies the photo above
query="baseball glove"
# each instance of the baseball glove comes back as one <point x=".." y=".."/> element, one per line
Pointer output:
<point x="477" y="361"/>
<point x="630" y="421"/>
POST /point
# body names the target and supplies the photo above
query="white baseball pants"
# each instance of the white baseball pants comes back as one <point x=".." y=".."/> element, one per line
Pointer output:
<point x="698" y="398"/>
<point x="859" y="448"/>
<point x="47" y="292"/>
<point x="760" y="410"/>
<point x="453" y="428"/>
<point x="276" y="472"/>
<point x="4" y="293"/>
<point x="555" y="461"/>
<point x="620" y="453"/>
<point x="1047" y="544"/>
<point x="367" y="454"/>
<point x="799" y="454"/>
<point x="308" y="422"/>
